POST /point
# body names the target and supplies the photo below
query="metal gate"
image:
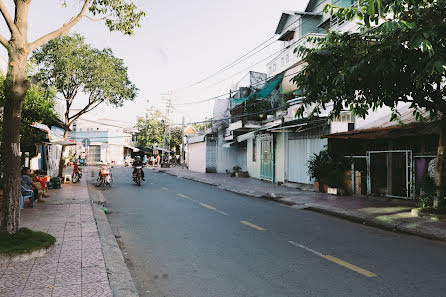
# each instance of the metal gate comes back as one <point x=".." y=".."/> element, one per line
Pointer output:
<point x="94" y="153"/>
<point x="211" y="155"/>
<point x="266" y="157"/>
<point x="390" y="173"/>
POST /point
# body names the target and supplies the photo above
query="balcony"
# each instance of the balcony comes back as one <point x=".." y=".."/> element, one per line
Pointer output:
<point x="287" y="57"/>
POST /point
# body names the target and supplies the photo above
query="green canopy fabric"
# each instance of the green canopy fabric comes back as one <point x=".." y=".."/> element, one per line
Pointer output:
<point x="263" y="93"/>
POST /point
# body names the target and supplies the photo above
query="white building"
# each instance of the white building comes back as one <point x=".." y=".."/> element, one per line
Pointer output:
<point x="109" y="140"/>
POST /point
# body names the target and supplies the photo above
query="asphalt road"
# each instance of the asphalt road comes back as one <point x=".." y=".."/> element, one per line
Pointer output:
<point x="185" y="239"/>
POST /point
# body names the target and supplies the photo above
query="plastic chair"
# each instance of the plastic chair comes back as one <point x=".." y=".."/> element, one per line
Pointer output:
<point x="67" y="178"/>
<point x="30" y="196"/>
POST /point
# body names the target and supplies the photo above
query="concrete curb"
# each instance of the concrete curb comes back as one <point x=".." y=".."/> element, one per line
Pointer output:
<point x="119" y="277"/>
<point x="4" y="259"/>
<point x="229" y="189"/>
<point x="402" y="227"/>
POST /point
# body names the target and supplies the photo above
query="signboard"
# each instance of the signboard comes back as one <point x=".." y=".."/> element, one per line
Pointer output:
<point x="86" y="142"/>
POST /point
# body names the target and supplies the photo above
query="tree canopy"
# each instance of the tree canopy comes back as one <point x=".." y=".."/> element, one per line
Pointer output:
<point x="39" y="107"/>
<point x="151" y="130"/>
<point x="400" y="59"/>
<point x="118" y="15"/>
<point x="397" y="55"/>
<point x="71" y="66"/>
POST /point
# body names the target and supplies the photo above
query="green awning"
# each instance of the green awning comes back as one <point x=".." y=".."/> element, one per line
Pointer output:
<point x="263" y="93"/>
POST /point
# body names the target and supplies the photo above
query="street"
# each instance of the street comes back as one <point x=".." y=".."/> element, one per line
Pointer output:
<point x="182" y="238"/>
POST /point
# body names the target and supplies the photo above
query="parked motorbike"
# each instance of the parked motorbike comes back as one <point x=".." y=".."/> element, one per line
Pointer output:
<point x="137" y="175"/>
<point x="76" y="177"/>
<point x="105" y="177"/>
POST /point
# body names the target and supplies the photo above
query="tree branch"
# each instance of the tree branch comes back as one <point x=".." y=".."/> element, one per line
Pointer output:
<point x="62" y="30"/>
<point x="84" y="110"/>
<point x="4" y="41"/>
<point x="95" y="19"/>
<point x="8" y="19"/>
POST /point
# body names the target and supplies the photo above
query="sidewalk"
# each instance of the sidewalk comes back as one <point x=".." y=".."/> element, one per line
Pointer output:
<point x="75" y="266"/>
<point x="389" y="214"/>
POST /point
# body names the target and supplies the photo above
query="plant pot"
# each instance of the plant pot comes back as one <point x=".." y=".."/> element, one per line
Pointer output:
<point x="317" y="186"/>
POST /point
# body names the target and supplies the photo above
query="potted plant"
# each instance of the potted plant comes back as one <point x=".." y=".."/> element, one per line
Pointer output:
<point x="236" y="171"/>
<point x="318" y="165"/>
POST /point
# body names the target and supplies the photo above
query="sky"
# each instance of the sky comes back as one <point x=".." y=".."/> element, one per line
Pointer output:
<point x="180" y="43"/>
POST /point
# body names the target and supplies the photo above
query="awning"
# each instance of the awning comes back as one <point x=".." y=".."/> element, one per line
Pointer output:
<point x="246" y="136"/>
<point x="263" y="93"/>
<point x="251" y="134"/>
<point x="196" y="139"/>
<point x="42" y="127"/>
<point x="396" y="131"/>
<point x="62" y="142"/>
<point x="228" y="144"/>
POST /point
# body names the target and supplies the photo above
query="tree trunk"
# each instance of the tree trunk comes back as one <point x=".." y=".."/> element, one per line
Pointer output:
<point x="16" y="85"/>
<point x="62" y="160"/>
<point x="440" y="167"/>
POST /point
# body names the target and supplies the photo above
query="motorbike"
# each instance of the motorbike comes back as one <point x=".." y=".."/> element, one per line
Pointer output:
<point x="76" y="177"/>
<point x="105" y="177"/>
<point x="137" y="175"/>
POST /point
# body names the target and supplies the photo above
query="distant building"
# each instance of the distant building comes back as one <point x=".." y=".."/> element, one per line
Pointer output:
<point x="103" y="139"/>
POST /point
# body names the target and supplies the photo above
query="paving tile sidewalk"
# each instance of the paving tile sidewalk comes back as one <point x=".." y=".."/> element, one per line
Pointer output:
<point x="391" y="214"/>
<point x="75" y="266"/>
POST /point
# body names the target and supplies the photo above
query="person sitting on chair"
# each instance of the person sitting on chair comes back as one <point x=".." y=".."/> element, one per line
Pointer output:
<point x="28" y="184"/>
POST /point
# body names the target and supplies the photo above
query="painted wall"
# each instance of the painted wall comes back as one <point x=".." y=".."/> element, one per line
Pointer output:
<point x="228" y="157"/>
<point x="253" y="166"/>
<point x="197" y="156"/>
<point x="279" y="156"/>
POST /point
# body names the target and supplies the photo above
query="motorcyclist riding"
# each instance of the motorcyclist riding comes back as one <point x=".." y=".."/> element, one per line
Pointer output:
<point x="138" y="163"/>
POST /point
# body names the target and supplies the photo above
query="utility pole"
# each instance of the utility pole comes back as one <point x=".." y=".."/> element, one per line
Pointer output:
<point x="182" y="144"/>
<point x="169" y="106"/>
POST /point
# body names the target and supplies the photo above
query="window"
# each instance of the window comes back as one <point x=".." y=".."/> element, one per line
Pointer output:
<point x="269" y="70"/>
<point x="287" y="58"/>
<point x="282" y="61"/>
<point x="80" y="129"/>
<point x="254" y="149"/>
<point x="274" y="67"/>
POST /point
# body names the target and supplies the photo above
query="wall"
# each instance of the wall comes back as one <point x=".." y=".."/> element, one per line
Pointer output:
<point x="279" y="156"/>
<point x="299" y="152"/>
<point x="253" y="166"/>
<point x="309" y="24"/>
<point x="197" y="156"/>
<point x="228" y="157"/>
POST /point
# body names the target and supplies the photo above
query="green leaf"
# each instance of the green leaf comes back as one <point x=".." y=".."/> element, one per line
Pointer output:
<point x="371" y="8"/>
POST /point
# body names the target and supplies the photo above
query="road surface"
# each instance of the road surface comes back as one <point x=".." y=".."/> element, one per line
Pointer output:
<point x="185" y="239"/>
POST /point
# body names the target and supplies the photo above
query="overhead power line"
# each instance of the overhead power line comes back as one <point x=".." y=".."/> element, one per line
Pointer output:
<point x="254" y="50"/>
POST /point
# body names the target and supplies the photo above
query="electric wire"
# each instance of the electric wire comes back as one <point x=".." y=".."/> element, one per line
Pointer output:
<point x="244" y="57"/>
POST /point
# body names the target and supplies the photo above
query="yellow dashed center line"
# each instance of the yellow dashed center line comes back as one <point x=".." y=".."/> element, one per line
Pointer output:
<point x="349" y="266"/>
<point x="252" y="225"/>
<point x="336" y="260"/>
<point x="208" y="206"/>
